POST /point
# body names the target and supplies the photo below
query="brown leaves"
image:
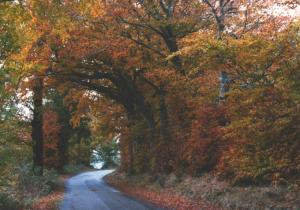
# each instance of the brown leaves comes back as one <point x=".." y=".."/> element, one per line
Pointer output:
<point x="49" y="202"/>
<point x="51" y="132"/>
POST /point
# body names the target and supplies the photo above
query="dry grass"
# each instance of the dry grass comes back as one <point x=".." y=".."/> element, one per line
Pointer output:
<point x="197" y="192"/>
<point x="165" y="199"/>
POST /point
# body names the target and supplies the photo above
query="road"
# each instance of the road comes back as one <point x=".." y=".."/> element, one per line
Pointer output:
<point x="88" y="191"/>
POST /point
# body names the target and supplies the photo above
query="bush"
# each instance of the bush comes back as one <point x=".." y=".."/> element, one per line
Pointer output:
<point x="8" y="203"/>
<point x="31" y="186"/>
<point x="202" y="150"/>
<point x="73" y="168"/>
<point x="263" y="137"/>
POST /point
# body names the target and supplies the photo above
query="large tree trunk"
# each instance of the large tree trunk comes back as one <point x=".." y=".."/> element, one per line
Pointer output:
<point x="164" y="119"/>
<point x="131" y="158"/>
<point x="131" y="121"/>
<point x="164" y="158"/>
<point x="37" y="127"/>
<point x="64" y="136"/>
<point x="65" y="132"/>
<point x="63" y="151"/>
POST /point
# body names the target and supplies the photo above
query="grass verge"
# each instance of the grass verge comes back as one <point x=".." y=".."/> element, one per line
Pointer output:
<point x="163" y="198"/>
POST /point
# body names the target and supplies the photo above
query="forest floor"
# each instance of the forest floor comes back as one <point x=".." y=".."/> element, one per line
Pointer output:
<point x="205" y="192"/>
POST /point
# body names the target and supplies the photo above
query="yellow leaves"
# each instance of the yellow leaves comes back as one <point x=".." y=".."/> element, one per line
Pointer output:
<point x="252" y="50"/>
<point x="204" y="51"/>
<point x="199" y="42"/>
<point x="88" y="8"/>
<point x="97" y="9"/>
<point x="267" y="117"/>
<point x="252" y="58"/>
<point x="80" y="98"/>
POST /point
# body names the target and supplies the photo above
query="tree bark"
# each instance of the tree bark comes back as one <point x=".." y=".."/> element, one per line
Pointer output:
<point x="64" y="136"/>
<point x="37" y="127"/>
<point x="171" y="41"/>
<point x="164" y="118"/>
<point x="63" y="149"/>
<point x="131" y="121"/>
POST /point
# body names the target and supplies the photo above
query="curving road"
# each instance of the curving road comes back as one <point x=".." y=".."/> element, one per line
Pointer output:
<point x="88" y="191"/>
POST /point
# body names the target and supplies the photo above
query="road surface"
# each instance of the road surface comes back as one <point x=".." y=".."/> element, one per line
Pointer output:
<point x="88" y="191"/>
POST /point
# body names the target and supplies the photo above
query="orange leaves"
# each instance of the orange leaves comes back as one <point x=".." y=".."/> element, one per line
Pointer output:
<point x="49" y="202"/>
<point x="51" y="126"/>
<point x="51" y="132"/>
<point x="203" y="148"/>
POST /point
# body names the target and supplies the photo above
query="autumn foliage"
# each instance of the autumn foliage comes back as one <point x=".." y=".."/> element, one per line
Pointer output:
<point x="148" y="72"/>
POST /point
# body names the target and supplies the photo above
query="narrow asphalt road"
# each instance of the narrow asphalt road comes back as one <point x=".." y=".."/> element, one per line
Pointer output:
<point x="88" y="191"/>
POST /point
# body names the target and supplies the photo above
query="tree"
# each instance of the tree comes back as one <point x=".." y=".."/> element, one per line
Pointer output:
<point x="37" y="127"/>
<point x="148" y="71"/>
